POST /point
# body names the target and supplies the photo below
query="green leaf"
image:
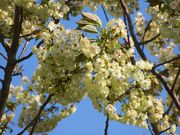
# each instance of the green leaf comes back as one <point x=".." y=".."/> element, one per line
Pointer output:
<point x="92" y="18"/>
<point x="83" y="22"/>
<point x="89" y="28"/>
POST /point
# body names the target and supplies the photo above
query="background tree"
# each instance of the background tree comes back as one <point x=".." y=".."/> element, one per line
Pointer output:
<point x="130" y="61"/>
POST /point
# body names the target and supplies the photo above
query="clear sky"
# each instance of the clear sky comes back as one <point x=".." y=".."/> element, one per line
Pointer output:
<point x="87" y="120"/>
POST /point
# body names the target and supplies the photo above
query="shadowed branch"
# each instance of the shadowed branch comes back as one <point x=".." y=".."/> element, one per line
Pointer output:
<point x="35" y="120"/>
<point x="106" y="126"/>
<point x="150" y="40"/>
<point x="166" y="62"/>
<point x="141" y="53"/>
<point x="11" y="54"/>
<point x="175" y="80"/>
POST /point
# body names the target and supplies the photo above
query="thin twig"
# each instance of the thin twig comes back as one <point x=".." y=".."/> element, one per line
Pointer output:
<point x="126" y="92"/>
<point x="24" y="49"/>
<point x="150" y="40"/>
<point x="128" y="42"/>
<point x="175" y="80"/>
<point x="107" y="19"/>
<point x="146" y="29"/>
<point x="168" y="89"/>
<point x="165" y="130"/>
<point x="149" y="126"/>
<point x="1" y="67"/>
<point x="30" y="34"/>
<point x="155" y="129"/>
<point x="131" y="29"/>
<point x="17" y="74"/>
<point x="166" y="62"/>
<point x="106" y="126"/>
<point x="34" y="121"/>
<point x="39" y="113"/>
<point x="30" y="54"/>
<point x="132" y="58"/>
<point x="23" y="36"/>
<point x="169" y="109"/>
<point x="2" y="42"/>
<point x="1" y="54"/>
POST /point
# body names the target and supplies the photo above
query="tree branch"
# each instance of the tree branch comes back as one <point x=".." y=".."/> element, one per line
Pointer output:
<point x="1" y="67"/>
<point x="17" y="74"/>
<point x="1" y="54"/>
<point x="150" y="40"/>
<point x="2" y="42"/>
<point x="175" y="80"/>
<point x="126" y="92"/>
<point x="165" y="130"/>
<point x="106" y="126"/>
<point x="17" y="29"/>
<point x="34" y="121"/>
<point x="133" y="61"/>
<point x="30" y="34"/>
<point x="141" y="53"/>
<point x="30" y="54"/>
<point x="166" y="62"/>
<point x="127" y="42"/>
<point x="11" y="53"/>
<point x="155" y="129"/>
<point x="24" y="49"/>
<point x="146" y="29"/>
<point x="168" y="89"/>
<point x="107" y="19"/>
<point x="147" y="121"/>
<point x="169" y="109"/>
<point x="131" y="29"/>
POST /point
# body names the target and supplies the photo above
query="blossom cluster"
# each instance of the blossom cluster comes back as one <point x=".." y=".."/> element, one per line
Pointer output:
<point x="74" y="67"/>
<point x="71" y="66"/>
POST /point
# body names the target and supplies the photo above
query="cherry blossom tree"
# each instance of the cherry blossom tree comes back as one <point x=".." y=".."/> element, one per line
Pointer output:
<point x="113" y="66"/>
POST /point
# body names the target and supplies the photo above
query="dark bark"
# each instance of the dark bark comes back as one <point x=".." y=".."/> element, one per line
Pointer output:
<point x="11" y="53"/>
<point x="106" y="126"/>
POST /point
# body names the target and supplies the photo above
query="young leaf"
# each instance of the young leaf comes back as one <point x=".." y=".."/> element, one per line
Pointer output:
<point x="83" y="22"/>
<point x="89" y="28"/>
<point x="92" y="18"/>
